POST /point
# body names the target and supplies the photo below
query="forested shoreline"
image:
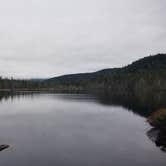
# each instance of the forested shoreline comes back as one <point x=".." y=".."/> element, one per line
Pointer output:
<point x="145" y="75"/>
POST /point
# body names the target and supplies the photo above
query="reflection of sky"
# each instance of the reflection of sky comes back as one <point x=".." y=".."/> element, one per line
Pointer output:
<point x="48" y="130"/>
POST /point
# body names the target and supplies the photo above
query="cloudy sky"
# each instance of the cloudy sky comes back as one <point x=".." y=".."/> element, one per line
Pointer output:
<point x="45" y="38"/>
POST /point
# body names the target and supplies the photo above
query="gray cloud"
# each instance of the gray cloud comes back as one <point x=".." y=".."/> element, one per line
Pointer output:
<point x="40" y="38"/>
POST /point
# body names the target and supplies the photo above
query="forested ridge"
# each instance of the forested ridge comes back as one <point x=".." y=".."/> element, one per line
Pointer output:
<point x="146" y="74"/>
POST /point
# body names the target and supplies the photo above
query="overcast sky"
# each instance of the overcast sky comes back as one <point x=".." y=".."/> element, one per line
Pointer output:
<point x="46" y="38"/>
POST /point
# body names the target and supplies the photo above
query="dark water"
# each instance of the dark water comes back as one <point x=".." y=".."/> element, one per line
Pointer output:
<point x="73" y="130"/>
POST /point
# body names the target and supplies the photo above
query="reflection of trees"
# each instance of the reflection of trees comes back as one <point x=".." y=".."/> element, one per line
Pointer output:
<point x="11" y="96"/>
<point x="143" y="105"/>
<point x="5" y="95"/>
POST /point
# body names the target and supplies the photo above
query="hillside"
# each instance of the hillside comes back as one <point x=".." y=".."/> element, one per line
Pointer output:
<point x="144" y="75"/>
<point x="154" y="62"/>
<point x="148" y="73"/>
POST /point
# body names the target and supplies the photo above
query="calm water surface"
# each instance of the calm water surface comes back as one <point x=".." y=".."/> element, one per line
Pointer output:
<point x="73" y="130"/>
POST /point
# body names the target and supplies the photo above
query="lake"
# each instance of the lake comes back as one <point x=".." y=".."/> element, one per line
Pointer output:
<point x="73" y="130"/>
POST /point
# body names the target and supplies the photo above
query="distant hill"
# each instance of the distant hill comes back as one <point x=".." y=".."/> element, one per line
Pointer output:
<point x="144" y="75"/>
<point x="152" y="62"/>
<point x="143" y="71"/>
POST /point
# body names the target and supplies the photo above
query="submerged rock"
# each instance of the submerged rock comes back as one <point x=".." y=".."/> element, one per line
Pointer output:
<point x="3" y="147"/>
<point x="158" y="137"/>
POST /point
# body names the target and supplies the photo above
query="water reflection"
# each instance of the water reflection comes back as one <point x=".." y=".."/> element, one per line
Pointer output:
<point x="142" y="105"/>
<point x="4" y="96"/>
